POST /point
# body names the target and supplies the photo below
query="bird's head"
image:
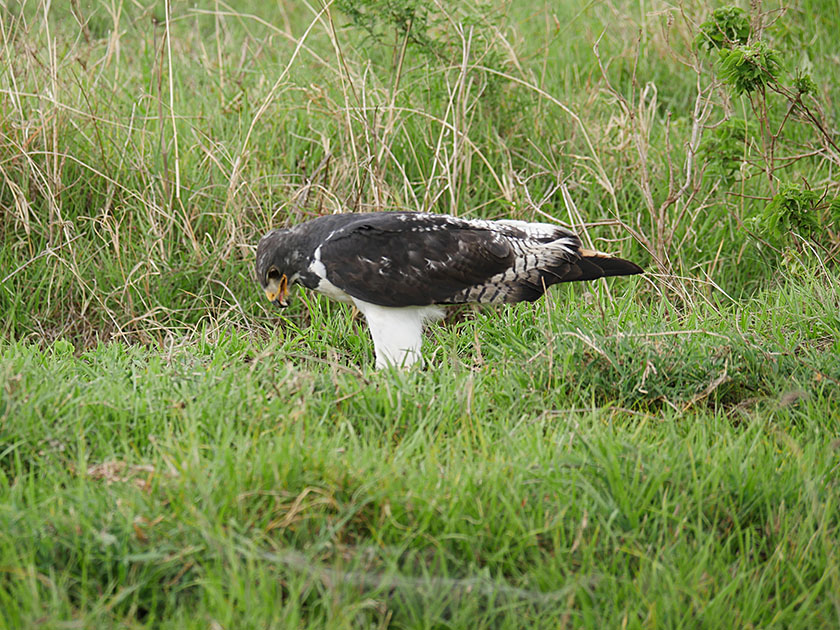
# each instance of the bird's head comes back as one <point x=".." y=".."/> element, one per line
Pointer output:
<point x="275" y="267"/>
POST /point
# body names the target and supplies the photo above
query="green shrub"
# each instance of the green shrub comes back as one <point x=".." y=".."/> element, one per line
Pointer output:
<point x="803" y="83"/>
<point x="727" y="27"/>
<point x="749" y="67"/>
<point x="723" y="148"/>
<point x="409" y="18"/>
<point x="796" y="209"/>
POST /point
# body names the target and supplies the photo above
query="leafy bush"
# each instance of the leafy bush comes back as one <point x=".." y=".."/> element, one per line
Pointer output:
<point x="409" y="18"/>
<point x="797" y="209"/>
<point x="803" y="83"/>
<point x="727" y="27"/>
<point x="723" y="149"/>
<point x="749" y="67"/>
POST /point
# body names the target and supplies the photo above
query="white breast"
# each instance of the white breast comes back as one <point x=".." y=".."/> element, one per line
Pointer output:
<point x="397" y="332"/>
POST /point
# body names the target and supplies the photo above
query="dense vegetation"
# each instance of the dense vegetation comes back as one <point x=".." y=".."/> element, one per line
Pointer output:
<point x="656" y="451"/>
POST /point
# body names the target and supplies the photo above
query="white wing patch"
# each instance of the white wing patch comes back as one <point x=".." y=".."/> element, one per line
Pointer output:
<point x="535" y="230"/>
<point x="325" y="286"/>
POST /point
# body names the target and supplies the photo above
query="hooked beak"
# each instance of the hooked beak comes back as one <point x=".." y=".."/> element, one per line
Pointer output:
<point x="277" y="292"/>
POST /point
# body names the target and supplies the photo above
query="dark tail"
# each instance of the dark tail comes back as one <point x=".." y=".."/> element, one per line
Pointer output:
<point x="590" y="266"/>
<point x="593" y="265"/>
<point x="608" y="265"/>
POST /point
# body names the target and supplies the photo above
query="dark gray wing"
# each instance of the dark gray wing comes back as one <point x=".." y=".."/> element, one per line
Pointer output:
<point x="414" y="259"/>
<point x="403" y="259"/>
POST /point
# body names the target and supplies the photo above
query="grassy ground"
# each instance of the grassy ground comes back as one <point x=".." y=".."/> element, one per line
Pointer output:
<point x="659" y="451"/>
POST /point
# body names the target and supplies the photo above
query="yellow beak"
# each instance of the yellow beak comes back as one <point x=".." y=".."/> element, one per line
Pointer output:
<point x="277" y="292"/>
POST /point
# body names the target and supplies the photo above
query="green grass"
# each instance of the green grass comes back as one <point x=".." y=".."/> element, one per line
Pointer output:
<point x="659" y="451"/>
<point x="254" y="492"/>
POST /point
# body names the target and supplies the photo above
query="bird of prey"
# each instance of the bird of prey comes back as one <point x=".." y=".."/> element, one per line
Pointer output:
<point x="400" y="268"/>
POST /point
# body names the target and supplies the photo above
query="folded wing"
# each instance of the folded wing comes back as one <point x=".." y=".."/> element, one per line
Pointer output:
<point x="408" y="259"/>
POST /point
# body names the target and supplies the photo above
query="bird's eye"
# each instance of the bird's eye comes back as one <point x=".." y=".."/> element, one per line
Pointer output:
<point x="273" y="275"/>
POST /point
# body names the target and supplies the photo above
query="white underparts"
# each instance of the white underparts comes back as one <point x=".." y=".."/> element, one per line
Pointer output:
<point x="397" y="332"/>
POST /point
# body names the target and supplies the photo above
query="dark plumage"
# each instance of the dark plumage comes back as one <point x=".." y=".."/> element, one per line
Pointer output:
<point x="397" y="266"/>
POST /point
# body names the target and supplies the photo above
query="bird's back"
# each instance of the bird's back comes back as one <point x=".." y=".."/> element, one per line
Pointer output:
<point x="417" y="259"/>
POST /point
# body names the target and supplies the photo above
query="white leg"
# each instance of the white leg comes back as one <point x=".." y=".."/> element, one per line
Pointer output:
<point x="397" y="332"/>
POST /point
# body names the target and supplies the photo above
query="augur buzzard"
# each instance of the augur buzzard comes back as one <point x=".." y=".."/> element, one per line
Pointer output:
<point x="399" y="268"/>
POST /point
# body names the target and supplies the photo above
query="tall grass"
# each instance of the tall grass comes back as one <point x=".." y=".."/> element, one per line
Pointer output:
<point x="146" y="147"/>
<point x="657" y="451"/>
